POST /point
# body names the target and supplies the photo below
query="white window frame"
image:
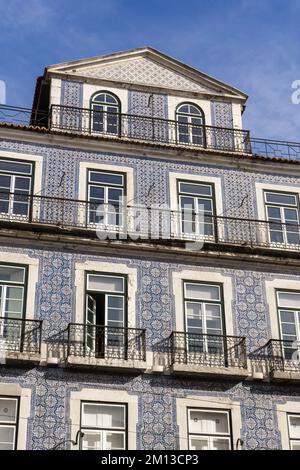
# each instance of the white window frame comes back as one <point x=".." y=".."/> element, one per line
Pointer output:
<point x="282" y="221"/>
<point x="102" y="432"/>
<point x="12" y="424"/>
<point x="210" y="437"/>
<point x="105" y="105"/>
<point x="196" y="212"/>
<point x="11" y="198"/>
<point x="292" y="440"/>
<point x="295" y="311"/>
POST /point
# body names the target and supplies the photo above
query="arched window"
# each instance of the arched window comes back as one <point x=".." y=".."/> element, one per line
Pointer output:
<point x="105" y="116"/>
<point x="190" y="128"/>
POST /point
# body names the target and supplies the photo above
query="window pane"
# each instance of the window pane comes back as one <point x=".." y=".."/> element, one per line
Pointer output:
<point x="289" y="299"/>
<point x="295" y="445"/>
<point x="197" y="189"/>
<point x="12" y="274"/>
<point x="105" y="283"/>
<point x="15" y="167"/>
<point x="202" y="291"/>
<point x="91" y="440"/>
<point x="109" y="178"/>
<point x="220" y="443"/>
<point x="208" y="422"/>
<point x="8" y="410"/>
<point x="103" y="416"/>
<point x="294" y="424"/>
<point x="7" y="437"/>
<point x="274" y="213"/>
<point x="199" y="443"/>
<point x="284" y="199"/>
<point x="114" y="441"/>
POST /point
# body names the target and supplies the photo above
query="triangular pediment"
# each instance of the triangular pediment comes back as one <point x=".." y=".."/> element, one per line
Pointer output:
<point x="146" y="67"/>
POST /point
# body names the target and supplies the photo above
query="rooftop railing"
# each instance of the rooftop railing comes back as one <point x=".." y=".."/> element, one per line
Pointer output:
<point x="149" y="129"/>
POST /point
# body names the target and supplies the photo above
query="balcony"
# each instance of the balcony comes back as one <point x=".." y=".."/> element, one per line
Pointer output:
<point x="99" y="347"/>
<point x="208" y="355"/>
<point x="149" y="129"/>
<point x="137" y="223"/>
<point x="20" y="341"/>
<point x="277" y="360"/>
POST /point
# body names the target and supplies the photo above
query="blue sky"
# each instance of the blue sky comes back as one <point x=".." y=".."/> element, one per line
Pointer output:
<point x="251" y="44"/>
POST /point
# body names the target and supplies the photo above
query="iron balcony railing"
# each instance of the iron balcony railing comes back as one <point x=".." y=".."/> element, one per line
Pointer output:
<point x="207" y="350"/>
<point x="278" y="355"/>
<point x="106" y="342"/>
<point x="148" y="128"/>
<point x="19" y="335"/>
<point x="138" y="222"/>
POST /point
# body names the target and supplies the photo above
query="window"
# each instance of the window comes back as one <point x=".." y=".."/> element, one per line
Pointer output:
<point x="15" y="188"/>
<point x="209" y="429"/>
<point x="105" y="196"/>
<point x="196" y="201"/>
<point x="9" y="408"/>
<point x="294" y="431"/>
<point x="105" y="307"/>
<point x="203" y="317"/>
<point x="12" y="291"/>
<point x="190" y="124"/>
<point x="104" y="426"/>
<point x="283" y="217"/>
<point x="289" y="318"/>
<point x="105" y="113"/>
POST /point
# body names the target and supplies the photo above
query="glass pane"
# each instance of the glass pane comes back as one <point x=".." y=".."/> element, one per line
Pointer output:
<point x="213" y="319"/>
<point x="8" y="410"/>
<point x="7" y="437"/>
<point x="183" y="109"/>
<point x="202" y="291"/>
<point x="22" y="184"/>
<point x="97" y="192"/>
<point x="294" y="424"/>
<point x="208" y="422"/>
<point x="115" y="195"/>
<point x="197" y="189"/>
<point x="295" y="445"/>
<point x="291" y="215"/>
<point x="220" y="443"/>
<point x="199" y="443"/>
<point x="273" y="213"/>
<point x="103" y="416"/>
<point x="15" y="167"/>
<point x="289" y="299"/>
<point x="105" y="283"/>
<point x="91" y="440"/>
<point x="284" y="199"/>
<point x="5" y="182"/>
<point x="114" y="441"/>
<point x="109" y="178"/>
<point x="12" y="274"/>
<point x="286" y="316"/>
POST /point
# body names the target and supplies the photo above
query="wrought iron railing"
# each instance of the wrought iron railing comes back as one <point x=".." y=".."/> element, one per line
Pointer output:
<point x="18" y="335"/>
<point x="275" y="149"/>
<point x="207" y="350"/>
<point x="278" y="355"/>
<point x="148" y="128"/>
<point x="145" y="223"/>
<point x="106" y="342"/>
<point x="23" y="116"/>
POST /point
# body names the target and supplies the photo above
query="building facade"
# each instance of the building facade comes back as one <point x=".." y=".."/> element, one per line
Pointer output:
<point x="149" y="263"/>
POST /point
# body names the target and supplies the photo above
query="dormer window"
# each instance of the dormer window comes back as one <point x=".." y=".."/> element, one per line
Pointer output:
<point x="190" y="127"/>
<point x="105" y="114"/>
